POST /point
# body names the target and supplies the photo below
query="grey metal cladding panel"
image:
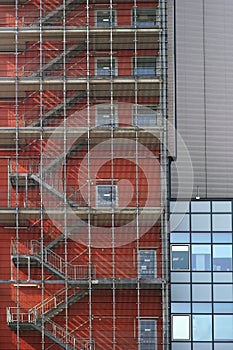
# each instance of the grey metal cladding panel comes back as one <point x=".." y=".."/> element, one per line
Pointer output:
<point x="212" y="49"/>
<point x="219" y="97"/>
<point x="190" y="93"/>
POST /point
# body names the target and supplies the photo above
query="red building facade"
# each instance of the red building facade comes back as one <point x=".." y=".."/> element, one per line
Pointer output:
<point x="83" y="175"/>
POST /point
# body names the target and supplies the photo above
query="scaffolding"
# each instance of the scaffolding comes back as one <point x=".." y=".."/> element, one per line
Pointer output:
<point x="83" y="92"/>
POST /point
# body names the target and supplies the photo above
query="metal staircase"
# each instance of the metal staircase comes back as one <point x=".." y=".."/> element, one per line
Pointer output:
<point x="56" y="15"/>
<point x="32" y="253"/>
<point x="57" y="62"/>
<point x="58" y="110"/>
<point x="31" y="321"/>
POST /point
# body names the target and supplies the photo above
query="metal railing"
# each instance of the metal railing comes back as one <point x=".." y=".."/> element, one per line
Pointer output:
<point x="51" y="329"/>
<point x="35" y="249"/>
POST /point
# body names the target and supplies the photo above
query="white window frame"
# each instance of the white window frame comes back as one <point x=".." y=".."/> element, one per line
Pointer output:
<point x="179" y="335"/>
<point x="111" y="204"/>
<point x="103" y="58"/>
<point x="111" y="115"/>
<point x="108" y="22"/>
<point x="155" y="263"/>
<point x="183" y="247"/>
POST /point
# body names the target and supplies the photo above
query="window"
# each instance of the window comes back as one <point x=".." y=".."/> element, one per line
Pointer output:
<point x="223" y="327"/>
<point x="144" y="117"/>
<point x="222" y="257"/>
<point x="144" y="17"/>
<point x="144" y="66"/>
<point x="201" y="257"/>
<point x="147" y="263"/>
<point x="202" y="327"/>
<point x="105" y="18"/>
<point x="180" y="257"/>
<point x="148" y="335"/>
<point x="105" y="67"/>
<point x="105" y="115"/>
<point x="180" y="327"/>
<point x="106" y="196"/>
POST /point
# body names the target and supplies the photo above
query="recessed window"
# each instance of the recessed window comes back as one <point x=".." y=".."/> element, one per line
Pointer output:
<point x="147" y="263"/>
<point x="180" y="327"/>
<point x="180" y="257"/>
<point x="105" y="67"/>
<point x="144" y="117"/>
<point x="147" y="335"/>
<point x="106" y="115"/>
<point x="106" y="196"/>
<point x="144" y="66"/>
<point x="105" y="18"/>
<point x="144" y="17"/>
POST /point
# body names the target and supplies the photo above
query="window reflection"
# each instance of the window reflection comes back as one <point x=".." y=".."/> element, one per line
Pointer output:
<point x="202" y="327"/>
<point x="201" y="257"/>
<point x="222" y="257"/>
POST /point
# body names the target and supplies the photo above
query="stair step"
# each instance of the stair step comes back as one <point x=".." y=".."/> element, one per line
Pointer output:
<point x="59" y="109"/>
<point x="55" y="63"/>
<point x="56" y="15"/>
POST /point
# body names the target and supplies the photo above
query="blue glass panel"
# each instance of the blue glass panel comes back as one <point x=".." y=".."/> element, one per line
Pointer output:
<point x="201" y="277"/>
<point x="200" y="206"/>
<point x="222" y="277"/>
<point x="180" y="237"/>
<point x="223" y="292"/>
<point x="223" y="308"/>
<point x="179" y="207"/>
<point x="220" y="237"/>
<point x="223" y="327"/>
<point x="180" y="308"/>
<point x="198" y="237"/>
<point x="200" y="222"/>
<point x="222" y="257"/>
<point x="180" y="277"/>
<point x="201" y="257"/>
<point x="180" y="292"/>
<point x="221" y="207"/>
<point x="202" y="346"/>
<point x="202" y="308"/>
<point x="202" y="327"/>
<point x="201" y="292"/>
<point x="179" y="222"/>
<point x="222" y="222"/>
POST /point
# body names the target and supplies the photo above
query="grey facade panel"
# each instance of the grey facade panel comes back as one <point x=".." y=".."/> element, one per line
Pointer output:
<point x="204" y="94"/>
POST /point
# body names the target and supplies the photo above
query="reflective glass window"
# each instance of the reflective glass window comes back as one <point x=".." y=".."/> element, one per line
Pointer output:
<point x="179" y="222"/>
<point x="202" y="327"/>
<point x="201" y="277"/>
<point x="105" y="115"/>
<point x="221" y="206"/>
<point x="201" y="257"/>
<point x="144" y="67"/>
<point x="223" y="292"/>
<point x="222" y="222"/>
<point x="223" y="327"/>
<point x="223" y="308"/>
<point x="144" y="17"/>
<point x="180" y="276"/>
<point x="222" y="277"/>
<point x="180" y="308"/>
<point x="222" y="257"/>
<point x="200" y="206"/>
<point x="201" y="237"/>
<point x="106" y="195"/>
<point x="202" y="308"/>
<point x="147" y="334"/>
<point x="181" y="346"/>
<point x="180" y="237"/>
<point x="105" y="67"/>
<point x="222" y="237"/>
<point x="202" y="346"/>
<point x="201" y="292"/>
<point x="180" y="257"/>
<point x="181" y="327"/>
<point x="200" y="222"/>
<point x="105" y="18"/>
<point x="180" y="292"/>
<point x="179" y="207"/>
